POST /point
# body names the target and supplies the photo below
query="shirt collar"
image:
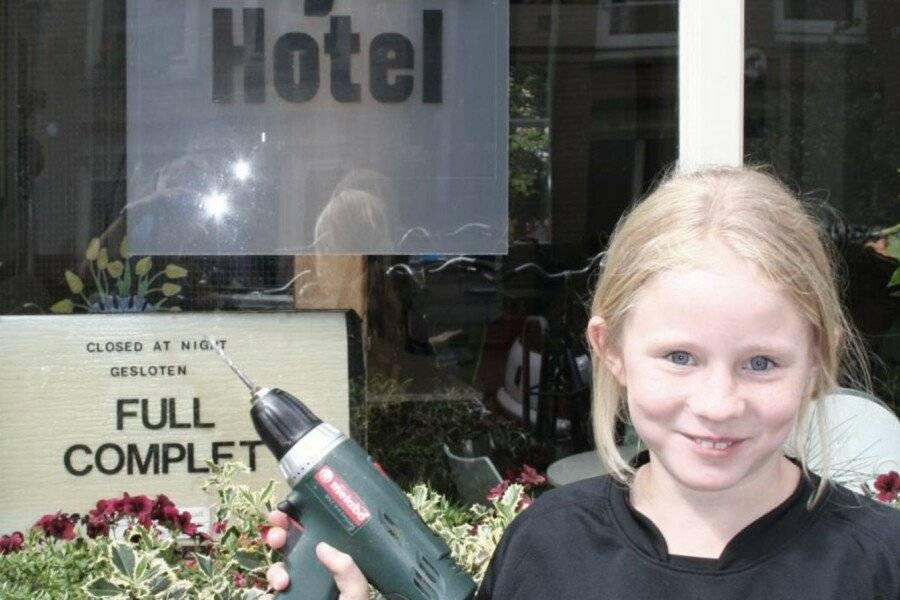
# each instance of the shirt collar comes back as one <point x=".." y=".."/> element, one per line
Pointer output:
<point x="761" y="538"/>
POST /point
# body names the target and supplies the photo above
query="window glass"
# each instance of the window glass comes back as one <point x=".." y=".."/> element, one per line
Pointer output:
<point x="822" y="87"/>
<point x="592" y="122"/>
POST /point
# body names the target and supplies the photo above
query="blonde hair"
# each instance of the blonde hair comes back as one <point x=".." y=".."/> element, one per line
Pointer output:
<point x="761" y="221"/>
<point x="353" y="222"/>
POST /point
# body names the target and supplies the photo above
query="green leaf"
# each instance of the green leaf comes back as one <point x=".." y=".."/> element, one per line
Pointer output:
<point x="93" y="249"/>
<point x="175" y="271"/>
<point x="893" y="246"/>
<point x="74" y="282"/>
<point x="103" y="588"/>
<point x="143" y="266"/>
<point x="63" y="307"/>
<point x="248" y="561"/>
<point x="895" y="278"/>
<point x="142" y="566"/>
<point x="159" y="583"/>
<point x="253" y="594"/>
<point x="205" y="563"/>
<point x="123" y="559"/>
<point x="178" y="591"/>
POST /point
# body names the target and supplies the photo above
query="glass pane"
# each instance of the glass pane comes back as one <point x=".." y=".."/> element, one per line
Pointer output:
<point x="592" y="122"/>
<point x="822" y="92"/>
<point x="352" y="129"/>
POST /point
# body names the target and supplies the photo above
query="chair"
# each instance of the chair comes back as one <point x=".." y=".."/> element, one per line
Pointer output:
<point x="863" y="438"/>
<point x="474" y="476"/>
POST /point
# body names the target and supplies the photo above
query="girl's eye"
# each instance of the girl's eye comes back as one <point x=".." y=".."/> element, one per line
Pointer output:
<point x="679" y="357"/>
<point x="761" y="363"/>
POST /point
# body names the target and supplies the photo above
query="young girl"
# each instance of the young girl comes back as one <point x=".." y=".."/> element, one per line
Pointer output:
<point x="715" y="323"/>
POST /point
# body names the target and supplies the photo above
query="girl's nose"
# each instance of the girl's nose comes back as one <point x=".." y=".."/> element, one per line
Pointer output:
<point x="719" y="400"/>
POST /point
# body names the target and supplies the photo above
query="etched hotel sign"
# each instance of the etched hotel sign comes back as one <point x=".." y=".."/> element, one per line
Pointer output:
<point x="317" y="126"/>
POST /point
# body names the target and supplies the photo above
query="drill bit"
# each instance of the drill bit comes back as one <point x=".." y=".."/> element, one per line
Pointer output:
<point x="252" y="386"/>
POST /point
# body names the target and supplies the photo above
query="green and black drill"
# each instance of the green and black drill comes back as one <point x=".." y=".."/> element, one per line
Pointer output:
<point x="344" y="499"/>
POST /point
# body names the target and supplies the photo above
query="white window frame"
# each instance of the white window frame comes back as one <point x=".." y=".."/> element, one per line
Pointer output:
<point x="606" y="39"/>
<point x="710" y="83"/>
<point x="819" y="28"/>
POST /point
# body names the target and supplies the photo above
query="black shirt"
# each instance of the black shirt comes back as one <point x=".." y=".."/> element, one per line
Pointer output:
<point x="585" y="540"/>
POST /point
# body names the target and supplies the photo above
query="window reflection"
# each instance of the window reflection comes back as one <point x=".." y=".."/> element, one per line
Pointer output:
<point x="821" y="91"/>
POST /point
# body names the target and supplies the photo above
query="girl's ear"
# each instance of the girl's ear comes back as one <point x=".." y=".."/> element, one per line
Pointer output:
<point x="599" y="337"/>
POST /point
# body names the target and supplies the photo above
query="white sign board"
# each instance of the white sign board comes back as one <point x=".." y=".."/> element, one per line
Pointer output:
<point x="94" y="405"/>
<point x="317" y="126"/>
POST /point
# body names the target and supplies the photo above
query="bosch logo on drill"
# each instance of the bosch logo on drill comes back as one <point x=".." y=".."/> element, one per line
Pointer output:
<point x="343" y="496"/>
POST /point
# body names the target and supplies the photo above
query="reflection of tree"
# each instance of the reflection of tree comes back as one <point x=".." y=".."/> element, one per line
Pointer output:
<point x="529" y="146"/>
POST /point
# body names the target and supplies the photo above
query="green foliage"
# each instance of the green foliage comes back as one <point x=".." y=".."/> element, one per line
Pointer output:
<point x="151" y="563"/>
<point x="471" y="533"/>
<point x="407" y="438"/>
<point x="142" y="563"/>
<point x="47" y="568"/>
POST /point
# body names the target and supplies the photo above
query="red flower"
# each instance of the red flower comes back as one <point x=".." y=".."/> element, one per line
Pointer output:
<point x="530" y="476"/>
<point x="11" y="543"/>
<point x="170" y="515"/>
<point x="263" y="530"/>
<point x="159" y="507"/>
<point x="60" y="526"/>
<point x="96" y="527"/>
<point x="185" y="524"/>
<point x="498" y="490"/>
<point x="888" y="486"/>
<point x="219" y="526"/>
<point x="137" y="506"/>
<point x="107" y="507"/>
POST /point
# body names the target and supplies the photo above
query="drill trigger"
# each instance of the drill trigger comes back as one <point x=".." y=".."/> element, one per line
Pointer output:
<point x="290" y="509"/>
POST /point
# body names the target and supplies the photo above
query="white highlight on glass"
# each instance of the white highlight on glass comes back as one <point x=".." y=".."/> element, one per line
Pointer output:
<point x="241" y="169"/>
<point x="215" y="204"/>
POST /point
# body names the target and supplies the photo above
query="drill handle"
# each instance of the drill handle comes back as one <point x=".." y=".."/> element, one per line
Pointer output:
<point x="309" y="579"/>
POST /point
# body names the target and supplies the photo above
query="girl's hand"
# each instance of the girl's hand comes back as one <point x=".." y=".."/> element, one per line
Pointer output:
<point x="349" y="579"/>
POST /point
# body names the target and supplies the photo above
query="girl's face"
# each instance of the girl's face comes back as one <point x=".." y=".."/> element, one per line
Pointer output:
<point x="716" y="361"/>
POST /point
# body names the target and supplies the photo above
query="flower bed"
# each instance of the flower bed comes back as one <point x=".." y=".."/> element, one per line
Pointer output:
<point x="142" y="547"/>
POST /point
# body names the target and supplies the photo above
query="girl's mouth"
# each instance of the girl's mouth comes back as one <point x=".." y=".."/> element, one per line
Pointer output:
<point x="714" y="445"/>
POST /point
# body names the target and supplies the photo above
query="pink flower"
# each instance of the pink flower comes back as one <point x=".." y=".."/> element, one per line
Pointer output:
<point x="498" y="490"/>
<point x="239" y="580"/>
<point x="530" y="476"/>
<point x="524" y="502"/>
<point x="219" y="526"/>
<point x="888" y="486"/>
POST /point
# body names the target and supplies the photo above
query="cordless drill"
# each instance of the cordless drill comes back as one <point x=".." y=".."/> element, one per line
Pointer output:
<point x="343" y="499"/>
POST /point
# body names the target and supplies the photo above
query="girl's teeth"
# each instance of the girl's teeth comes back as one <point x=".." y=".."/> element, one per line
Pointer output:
<point x="709" y="444"/>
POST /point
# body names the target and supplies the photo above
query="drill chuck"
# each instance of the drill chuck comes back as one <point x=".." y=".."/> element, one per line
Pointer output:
<point x="281" y="420"/>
